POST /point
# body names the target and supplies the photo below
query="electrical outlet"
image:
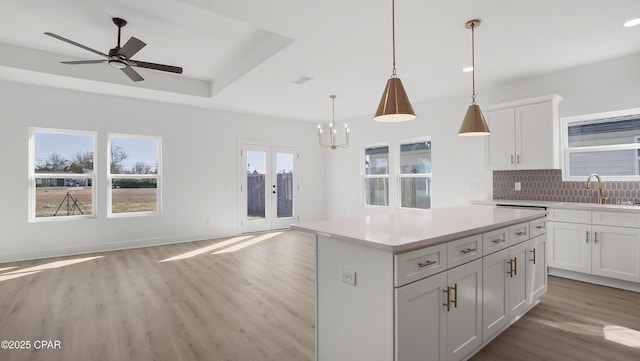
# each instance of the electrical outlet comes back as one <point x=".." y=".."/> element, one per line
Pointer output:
<point x="348" y="276"/>
<point x="518" y="187"/>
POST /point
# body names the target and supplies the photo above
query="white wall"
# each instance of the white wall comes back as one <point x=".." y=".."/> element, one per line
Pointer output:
<point x="200" y="169"/>
<point x="459" y="173"/>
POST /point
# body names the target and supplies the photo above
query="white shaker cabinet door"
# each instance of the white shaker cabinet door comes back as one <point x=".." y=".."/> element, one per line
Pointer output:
<point x="616" y="252"/>
<point x="464" y="319"/>
<point x="495" y="293"/>
<point x="501" y="143"/>
<point x="536" y="268"/>
<point x="421" y="320"/>
<point x="569" y="246"/>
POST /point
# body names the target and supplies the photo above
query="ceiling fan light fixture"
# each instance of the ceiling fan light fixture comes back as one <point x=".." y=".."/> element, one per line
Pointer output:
<point x="119" y="64"/>
<point x="474" y="123"/>
<point x="394" y="105"/>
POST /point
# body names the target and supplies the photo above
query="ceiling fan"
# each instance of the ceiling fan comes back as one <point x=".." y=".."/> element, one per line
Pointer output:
<point x="120" y="57"/>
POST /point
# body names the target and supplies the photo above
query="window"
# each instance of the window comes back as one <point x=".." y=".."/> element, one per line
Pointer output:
<point x="61" y="174"/>
<point x="134" y="175"/>
<point x="415" y="174"/>
<point x="607" y="144"/>
<point x="376" y="176"/>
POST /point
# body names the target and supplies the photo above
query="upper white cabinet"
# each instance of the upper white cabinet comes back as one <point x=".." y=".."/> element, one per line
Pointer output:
<point x="524" y="134"/>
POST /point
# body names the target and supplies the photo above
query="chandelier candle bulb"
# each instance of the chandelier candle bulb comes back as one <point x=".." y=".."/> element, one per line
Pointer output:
<point x="333" y="131"/>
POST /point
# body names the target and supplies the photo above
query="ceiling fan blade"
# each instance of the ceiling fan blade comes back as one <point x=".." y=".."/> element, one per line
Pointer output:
<point x="131" y="47"/>
<point x="132" y="74"/>
<point x="76" y="44"/>
<point x="83" y="62"/>
<point x="161" y="67"/>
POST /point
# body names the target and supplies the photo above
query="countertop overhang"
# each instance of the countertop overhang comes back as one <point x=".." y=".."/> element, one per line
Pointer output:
<point x="405" y="231"/>
<point x="561" y="205"/>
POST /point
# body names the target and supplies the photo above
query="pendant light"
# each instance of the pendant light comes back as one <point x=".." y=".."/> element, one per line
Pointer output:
<point x="332" y="130"/>
<point x="394" y="105"/>
<point x="473" y="123"/>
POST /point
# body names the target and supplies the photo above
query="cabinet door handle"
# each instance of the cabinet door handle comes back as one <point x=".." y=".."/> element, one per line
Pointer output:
<point x="518" y="159"/>
<point x="515" y="266"/>
<point x="533" y="251"/>
<point x="455" y="295"/>
<point x="587" y="233"/>
<point x="511" y="158"/>
<point x="510" y="272"/>
<point x="448" y="304"/>
<point x="427" y="263"/>
<point x="595" y="237"/>
<point x="468" y="250"/>
<point x="497" y="240"/>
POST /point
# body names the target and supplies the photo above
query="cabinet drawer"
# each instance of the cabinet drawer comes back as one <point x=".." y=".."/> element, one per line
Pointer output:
<point x="538" y="227"/>
<point x="495" y="240"/>
<point x="569" y="215"/>
<point x="464" y="250"/>
<point x="518" y="233"/>
<point x="622" y="219"/>
<point x="424" y="262"/>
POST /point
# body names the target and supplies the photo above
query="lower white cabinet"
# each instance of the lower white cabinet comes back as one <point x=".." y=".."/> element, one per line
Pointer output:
<point x="615" y="252"/>
<point x="440" y="317"/>
<point x="606" y="249"/>
<point x="569" y="246"/>
<point x="451" y="314"/>
<point x="513" y="280"/>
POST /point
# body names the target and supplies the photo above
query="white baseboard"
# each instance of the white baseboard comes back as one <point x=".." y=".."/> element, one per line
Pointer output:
<point x="599" y="280"/>
<point x="104" y="247"/>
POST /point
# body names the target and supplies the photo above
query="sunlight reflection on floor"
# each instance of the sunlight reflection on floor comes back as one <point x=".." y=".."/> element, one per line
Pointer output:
<point x="249" y="242"/>
<point x="212" y="247"/>
<point x="36" y="269"/>
<point x="622" y="335"/>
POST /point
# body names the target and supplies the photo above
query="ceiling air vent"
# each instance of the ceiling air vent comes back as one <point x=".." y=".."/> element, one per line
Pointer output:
<point x="301" y="80"/>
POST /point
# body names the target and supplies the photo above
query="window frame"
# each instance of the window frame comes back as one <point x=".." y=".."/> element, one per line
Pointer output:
<point x="111" y="176"/>
<point x="401" y="175"/>
<point x="566" y="151"/>
<point x="365" y="176"/>
<point x="34" y="176"/>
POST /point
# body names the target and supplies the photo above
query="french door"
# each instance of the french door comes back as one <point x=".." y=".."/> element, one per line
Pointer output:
<point x="269" y="187"/>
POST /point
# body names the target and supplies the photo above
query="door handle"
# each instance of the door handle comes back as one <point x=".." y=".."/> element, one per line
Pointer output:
<point x="587" y="233"/>
<point x="533" y="251"/>
<point x="510" y="272"/>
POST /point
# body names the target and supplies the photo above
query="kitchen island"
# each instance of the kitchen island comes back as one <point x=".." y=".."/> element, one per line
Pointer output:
<point x="409" y="285"/>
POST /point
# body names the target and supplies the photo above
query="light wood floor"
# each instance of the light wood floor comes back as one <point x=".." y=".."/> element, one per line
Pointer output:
<point x="253" y="304"/>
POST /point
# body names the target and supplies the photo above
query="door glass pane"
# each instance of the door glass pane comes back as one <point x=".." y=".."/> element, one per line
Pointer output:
<point x="284" y="180"/>
<point x="256" y="178"/>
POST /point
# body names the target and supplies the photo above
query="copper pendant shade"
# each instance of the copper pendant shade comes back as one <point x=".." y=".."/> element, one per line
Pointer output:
<point x="394" y="105"/>
<point x="473" y="123"/>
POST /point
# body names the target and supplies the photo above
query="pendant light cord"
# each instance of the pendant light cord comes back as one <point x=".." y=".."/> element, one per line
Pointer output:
<point x="393" y="35"/>
<point x="473" y="63"/>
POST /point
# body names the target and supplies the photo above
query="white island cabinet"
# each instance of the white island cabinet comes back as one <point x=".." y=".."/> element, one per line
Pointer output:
<point x="412" y="286"/>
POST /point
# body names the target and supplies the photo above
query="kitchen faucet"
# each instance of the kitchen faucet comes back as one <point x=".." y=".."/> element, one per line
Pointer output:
<point x="601" y="197"/>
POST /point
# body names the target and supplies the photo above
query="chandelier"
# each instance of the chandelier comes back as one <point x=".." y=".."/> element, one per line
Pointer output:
<point x="332" y="130"/>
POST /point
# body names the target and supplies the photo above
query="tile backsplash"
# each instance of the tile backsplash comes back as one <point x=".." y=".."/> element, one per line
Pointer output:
<point x="547" y="185"/>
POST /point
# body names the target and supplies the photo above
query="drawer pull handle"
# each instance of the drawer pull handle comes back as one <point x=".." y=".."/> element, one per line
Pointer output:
<point x="533" y="252"/>
<point x="427" y="263"/>
<point x="521" y="233"/>
<point x="468" y="250"/>
<point x="540" y="226"/>
<point x="497" y="240"/>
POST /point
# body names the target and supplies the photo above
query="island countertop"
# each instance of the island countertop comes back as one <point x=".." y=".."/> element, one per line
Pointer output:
<point x="404" y="231"/>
